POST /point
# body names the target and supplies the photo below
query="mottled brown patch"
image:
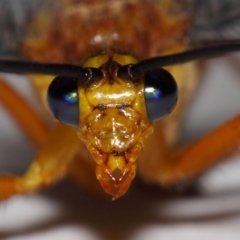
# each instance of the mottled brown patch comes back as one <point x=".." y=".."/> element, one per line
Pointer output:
<point x="82" y="29"/>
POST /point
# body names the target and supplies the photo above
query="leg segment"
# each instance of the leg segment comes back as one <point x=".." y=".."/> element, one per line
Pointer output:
<point x="197" y="158"/>
<point x="26" y="118"/>
<point x="52" y="160"/>
<point x="50" y="164"/>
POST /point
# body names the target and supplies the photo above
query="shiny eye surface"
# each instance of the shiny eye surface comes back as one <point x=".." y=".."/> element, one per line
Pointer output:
<point x="63" y="101"/>
<point x="160" y="93"/>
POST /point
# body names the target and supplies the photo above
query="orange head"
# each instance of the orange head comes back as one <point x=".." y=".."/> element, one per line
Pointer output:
<point x="111" y="110"/>
<point x="113" y="123"/>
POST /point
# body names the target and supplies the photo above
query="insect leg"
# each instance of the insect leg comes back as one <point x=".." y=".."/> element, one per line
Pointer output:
<point x="54" y="156"/>
<point x="25" y="117"/>
<point x="50" y="164"/>
<point x="200" y="156"/>
<point x="206" y="152"/>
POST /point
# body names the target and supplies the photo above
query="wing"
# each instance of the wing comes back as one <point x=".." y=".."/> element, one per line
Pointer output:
<point x="214" y="21"/>
<point x="14" y="19"/>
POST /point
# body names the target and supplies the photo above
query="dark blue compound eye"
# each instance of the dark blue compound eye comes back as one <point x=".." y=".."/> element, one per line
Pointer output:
<point x="160" y="93"/>
<point x="63" y="101"/>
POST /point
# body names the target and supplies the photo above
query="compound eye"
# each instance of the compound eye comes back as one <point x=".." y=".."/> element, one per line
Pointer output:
<point x="63" y="101"/>
<point x="160" y="93"/>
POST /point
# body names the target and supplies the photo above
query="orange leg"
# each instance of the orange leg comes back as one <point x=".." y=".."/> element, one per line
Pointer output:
<point x="55" y="155"/>
<point x="50" y="164"/>
<point x="197" y="158"/>
<point x="27" y="119"/>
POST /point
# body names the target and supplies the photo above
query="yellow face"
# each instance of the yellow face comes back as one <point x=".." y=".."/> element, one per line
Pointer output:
<point x="113" y="123"/>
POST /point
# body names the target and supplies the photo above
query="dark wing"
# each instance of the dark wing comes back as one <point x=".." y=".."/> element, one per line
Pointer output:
<point x="214" y="21"/>
<point x="14" y="19"/>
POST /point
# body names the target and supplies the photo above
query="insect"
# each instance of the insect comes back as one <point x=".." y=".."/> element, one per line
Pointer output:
<point x="112" y="93"/>
<point x="95" y="184"/>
